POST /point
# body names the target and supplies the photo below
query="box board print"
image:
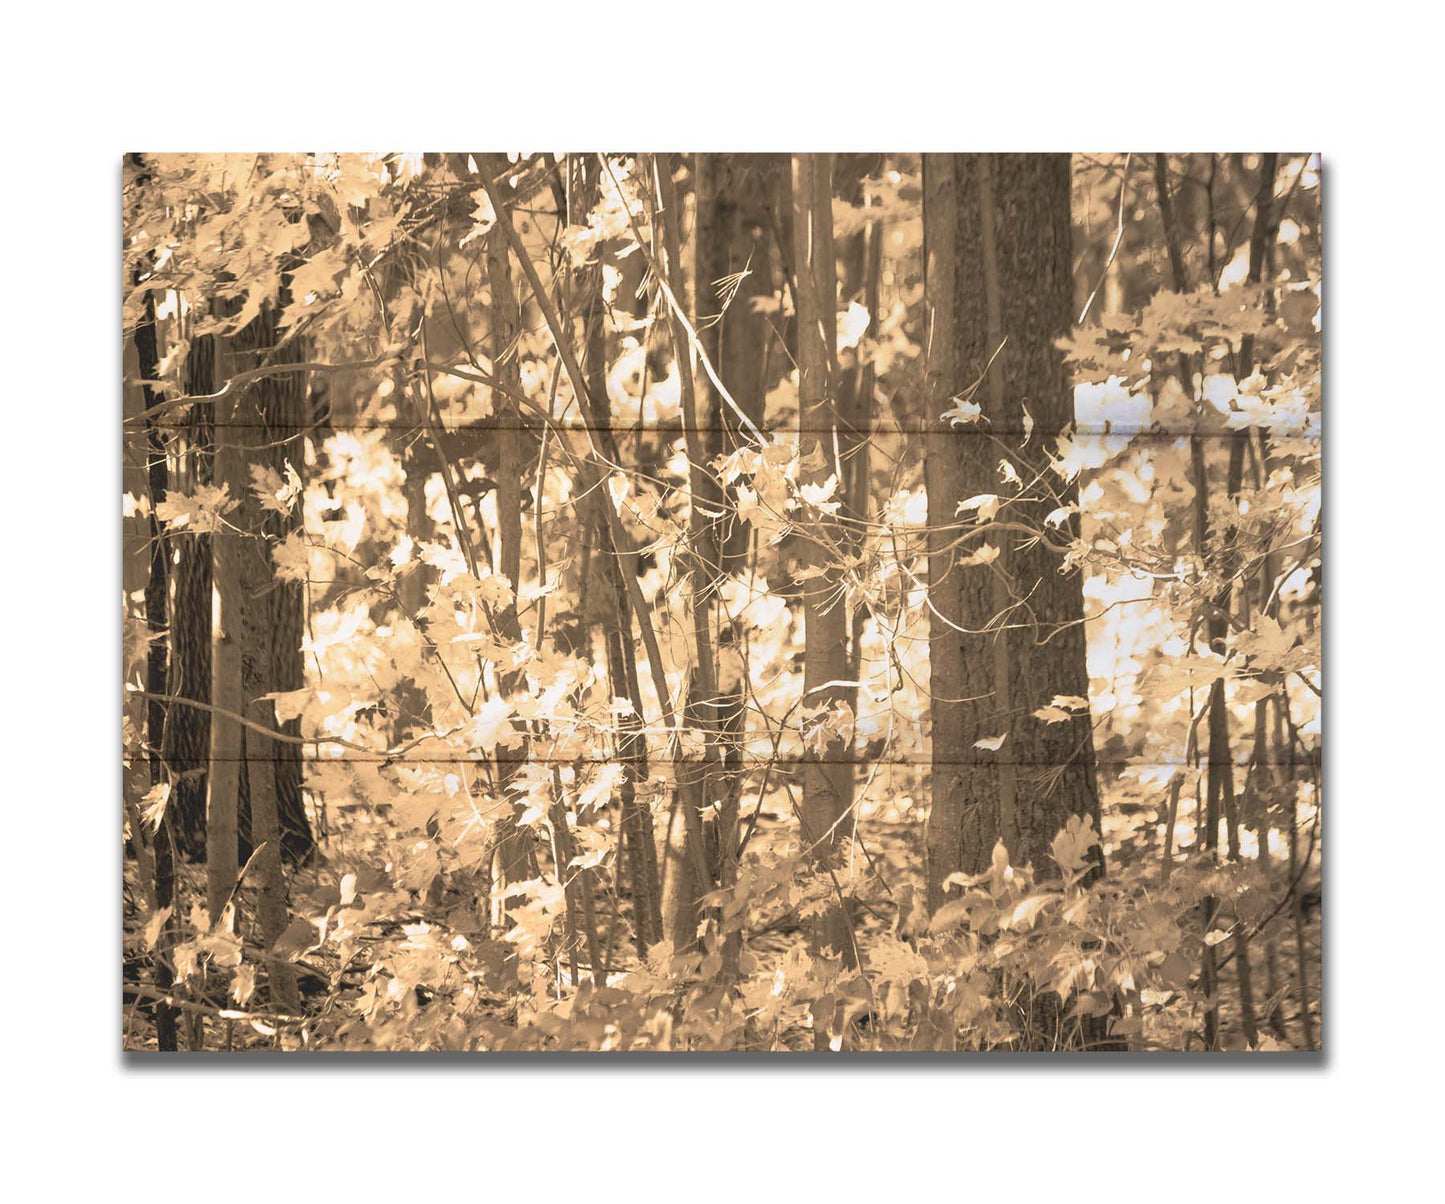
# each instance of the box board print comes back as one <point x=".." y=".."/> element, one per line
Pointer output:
<point x="722" y="602"/>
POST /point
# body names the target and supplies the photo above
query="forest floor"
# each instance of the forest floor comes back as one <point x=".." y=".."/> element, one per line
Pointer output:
<point x="885" y="863"/>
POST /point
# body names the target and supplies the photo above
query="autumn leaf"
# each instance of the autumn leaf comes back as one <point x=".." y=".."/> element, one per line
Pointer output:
<point x="852" y="325"/>
<point x="1070" y="848"/>
<point x="1026" y="911"/>
<point x="292" y="558"/>
<point x="1062" y="708"/>
<point x="200" y="511"/>
<point x="818" y="496"/>
<point x="300" y="935"/>
<point x="274" y="493"/>
<point x="151" y="934"/>
<point x="288" y="703"/>
<point x="985" y="503"/>
<point x="962" y="412"/>
<point x="492" y="726"/>
<point x="243" y="984"/>
<point x="153" y="805"/>
<point x="598" y="792"/>
<point x="617" y="487"/>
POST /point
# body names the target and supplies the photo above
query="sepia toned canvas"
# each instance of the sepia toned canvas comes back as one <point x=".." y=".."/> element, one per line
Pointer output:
<point x="718" y="602"/>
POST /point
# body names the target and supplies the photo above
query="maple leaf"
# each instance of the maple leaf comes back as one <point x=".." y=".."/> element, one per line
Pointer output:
<point x="598" y="792"/>
<point x="963" y="411"/>
<point x="292" y="558"/>
<point x="1061" y="708"/>
<point x="492" y="726"/>
<point x="200" y="511"/>
<point x="275" y="494"/>
<point x="316" y="278"/>
<point x="986" y="554"/>
<point x="826" y="726"/>
<point x="1070" y="848"/>
<point x="155" y="801"/>
<point x="817" y="495"/>
<point x="484" y="217"/>
<point x="985" y="503"/>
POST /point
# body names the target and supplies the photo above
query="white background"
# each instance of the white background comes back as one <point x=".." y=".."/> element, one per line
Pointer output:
<point x="82" y="87"/>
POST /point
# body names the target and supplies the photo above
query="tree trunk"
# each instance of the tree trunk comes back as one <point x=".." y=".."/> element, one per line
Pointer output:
<point x="699" y="784"/>
<point x="943" y="478"/>
<point x="638" y="839"/>
<point x="506" y="323"/>
<point x="223" y="779"/>
<point x="1023" y="639"/>
<point x="828" y="771"/>
<point x="267" y="416"/>
<point x="186" y="748"/>
<point x="734" y="272"/>
<point x="269" y="431"/>
<point x="862" y="259"/>
<point x="147" y="356"/>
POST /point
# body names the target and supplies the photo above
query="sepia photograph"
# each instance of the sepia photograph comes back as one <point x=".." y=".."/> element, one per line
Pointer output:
<point x="689" y="602"/>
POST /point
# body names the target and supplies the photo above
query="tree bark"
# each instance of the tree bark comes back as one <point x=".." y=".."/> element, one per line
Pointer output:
<point x="828" y="773"/>
<point x="699" y="785"/>
<point x="943" y="478"/>
<point x="223" y="778"/>
<point x="506" y="322"/>
<point x="147" y="356"/>
<point x="187" y="739"/>
<point x="265" y="419"/>
<point x="639" y="843"/>
<point x="1023" y="640"/>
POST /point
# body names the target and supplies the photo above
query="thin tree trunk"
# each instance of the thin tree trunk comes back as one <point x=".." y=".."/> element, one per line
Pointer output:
<point x="262" y="417"/>
<point x="1297" y="914"/>
<point x="1001" y="570"/>
<point x="147" y="355"/>
<point x="223" y="777"/>
<point x="506" y="320"/>
<point x="862" y="269"/>
<point x="1261" y="254"/>
<point x="591" y="470"/>
<point x="188" y="729"/>
<point x="697" y="789"/>
<point x="640" y="846"/>
<point x="828" y="773"/>
<point x="944" y="478"/>
<point x="734" y="271"/>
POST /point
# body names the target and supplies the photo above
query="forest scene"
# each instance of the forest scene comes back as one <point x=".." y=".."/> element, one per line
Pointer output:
<point x="721" y="602"/>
